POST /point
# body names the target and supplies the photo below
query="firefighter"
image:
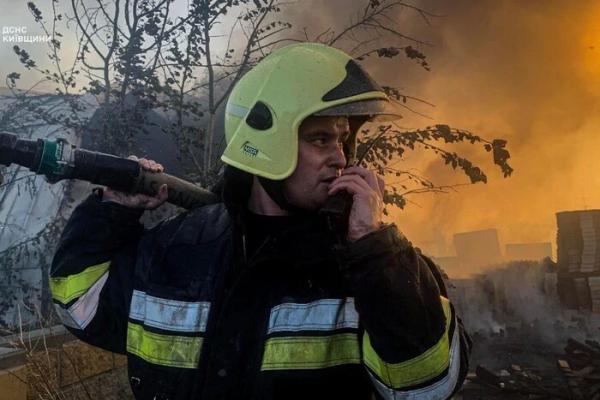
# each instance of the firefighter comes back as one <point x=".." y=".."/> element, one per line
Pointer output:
<point x="257" y="297"/>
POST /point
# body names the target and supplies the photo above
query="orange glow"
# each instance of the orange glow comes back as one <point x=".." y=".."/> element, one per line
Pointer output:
<point x="526" y="72"/>
<point x="590" y="48"/>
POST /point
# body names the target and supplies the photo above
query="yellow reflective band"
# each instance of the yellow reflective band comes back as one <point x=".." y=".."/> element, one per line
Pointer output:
<point x="168" y="350"/>
<point x="310" y="352"/>
<point x="65" y="289"/>
<point x="416" y="370"/>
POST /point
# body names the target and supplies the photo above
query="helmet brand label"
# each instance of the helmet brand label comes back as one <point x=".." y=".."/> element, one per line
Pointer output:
<point x="250" y="150"/>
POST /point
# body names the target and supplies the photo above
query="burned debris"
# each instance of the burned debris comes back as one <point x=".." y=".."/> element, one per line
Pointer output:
<point x="536" y="324"/>
<point x="577" y="376"/>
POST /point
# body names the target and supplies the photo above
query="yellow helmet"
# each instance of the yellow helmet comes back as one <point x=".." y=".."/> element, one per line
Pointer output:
<point x="268" y="104"/>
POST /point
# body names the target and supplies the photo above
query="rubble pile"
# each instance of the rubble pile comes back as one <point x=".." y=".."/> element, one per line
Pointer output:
<point x="519" y="331"/>
<point x="577" y="376"/>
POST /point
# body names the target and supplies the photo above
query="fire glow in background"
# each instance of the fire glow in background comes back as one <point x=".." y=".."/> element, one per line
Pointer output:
<point x="528" y="72"/>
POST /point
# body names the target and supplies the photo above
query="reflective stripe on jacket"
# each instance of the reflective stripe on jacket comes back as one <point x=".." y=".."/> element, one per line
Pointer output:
<point x="197" y="321"/>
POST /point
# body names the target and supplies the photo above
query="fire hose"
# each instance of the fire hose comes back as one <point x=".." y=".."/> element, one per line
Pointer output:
<point x="58" y="160"/>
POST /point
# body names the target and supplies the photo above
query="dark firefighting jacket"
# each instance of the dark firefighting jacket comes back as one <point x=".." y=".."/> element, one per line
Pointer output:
<point x="301" y="318"/>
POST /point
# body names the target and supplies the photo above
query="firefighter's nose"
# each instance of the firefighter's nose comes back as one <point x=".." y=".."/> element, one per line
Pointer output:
<point x="338" y="158"/>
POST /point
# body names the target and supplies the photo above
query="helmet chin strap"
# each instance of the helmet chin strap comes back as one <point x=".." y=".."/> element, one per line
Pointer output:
<point x="275" y="190"/>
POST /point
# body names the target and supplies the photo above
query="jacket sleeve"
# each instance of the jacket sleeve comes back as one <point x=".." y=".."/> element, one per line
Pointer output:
<point x="91" y="276"/>
<point x="413" y="345"/>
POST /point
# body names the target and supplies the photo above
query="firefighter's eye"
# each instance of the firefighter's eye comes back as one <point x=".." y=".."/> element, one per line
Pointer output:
<point x="320" y="140"/>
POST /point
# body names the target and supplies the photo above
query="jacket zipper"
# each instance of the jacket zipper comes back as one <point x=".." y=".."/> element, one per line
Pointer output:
<point x="206" y="355"/>
<point x="221" y="302"/>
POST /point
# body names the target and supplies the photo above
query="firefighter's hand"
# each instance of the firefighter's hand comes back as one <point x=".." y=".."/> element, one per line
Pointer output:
<point x="139" y="200"/>
<point x="366" y="188"/>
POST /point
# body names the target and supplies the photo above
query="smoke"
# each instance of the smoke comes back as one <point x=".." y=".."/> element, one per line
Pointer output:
<point x="528" y="72"/>
<point x="522" y="71"/>
<point x="517" y="302"/>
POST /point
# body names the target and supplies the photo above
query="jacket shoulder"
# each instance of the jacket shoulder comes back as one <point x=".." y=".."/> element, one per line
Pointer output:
<point x="199" y="225"/>
<point x="437" y="273"/>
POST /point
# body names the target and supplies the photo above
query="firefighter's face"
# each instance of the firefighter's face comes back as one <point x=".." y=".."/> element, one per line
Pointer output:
<point x="320" y="160"/>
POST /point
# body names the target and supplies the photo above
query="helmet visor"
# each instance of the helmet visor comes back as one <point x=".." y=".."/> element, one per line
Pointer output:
<point x="376" y="110"/>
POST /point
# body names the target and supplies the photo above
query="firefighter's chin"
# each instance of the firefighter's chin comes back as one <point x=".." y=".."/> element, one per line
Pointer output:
<point x="310" y="200"/>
